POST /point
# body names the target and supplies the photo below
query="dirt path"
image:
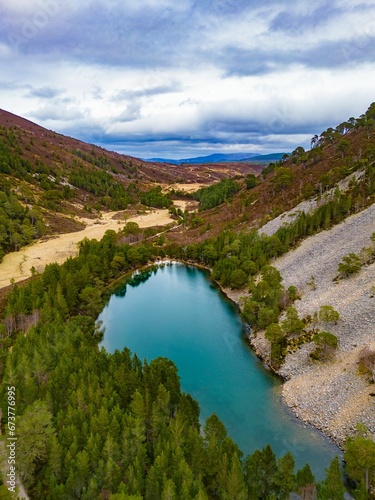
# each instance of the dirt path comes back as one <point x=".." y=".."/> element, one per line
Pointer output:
<point x="17" y="265"/>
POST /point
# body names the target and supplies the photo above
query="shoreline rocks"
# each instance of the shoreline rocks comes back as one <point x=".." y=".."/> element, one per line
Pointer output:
<point x="330" y="396"/>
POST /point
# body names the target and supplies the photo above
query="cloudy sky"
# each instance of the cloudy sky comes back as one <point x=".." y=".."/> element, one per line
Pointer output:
<point x="181" y="78"/>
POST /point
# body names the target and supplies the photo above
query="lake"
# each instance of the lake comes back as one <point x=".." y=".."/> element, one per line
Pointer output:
<point x="178" y="313"/>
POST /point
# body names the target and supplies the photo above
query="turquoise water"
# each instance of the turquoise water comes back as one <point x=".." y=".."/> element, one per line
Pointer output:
<point x="179" y="314"/>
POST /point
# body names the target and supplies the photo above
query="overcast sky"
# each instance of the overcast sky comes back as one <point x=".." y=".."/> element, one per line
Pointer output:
<point x="181" y="78"/>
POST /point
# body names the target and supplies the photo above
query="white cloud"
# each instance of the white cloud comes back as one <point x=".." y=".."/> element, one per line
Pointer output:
<point x="227" y="76"/>
<point x="57" y="112"/>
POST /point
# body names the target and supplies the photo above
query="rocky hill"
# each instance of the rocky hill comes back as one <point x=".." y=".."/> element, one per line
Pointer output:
<point x="337" y="393"/>
<point x="332" y="395"/>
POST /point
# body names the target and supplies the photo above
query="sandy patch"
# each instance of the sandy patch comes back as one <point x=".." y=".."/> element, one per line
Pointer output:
<point x="17" y="265"/>
<point x="188" y="188"/>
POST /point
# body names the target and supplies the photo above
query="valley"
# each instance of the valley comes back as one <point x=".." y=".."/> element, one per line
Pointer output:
<point x="273" y="238"/>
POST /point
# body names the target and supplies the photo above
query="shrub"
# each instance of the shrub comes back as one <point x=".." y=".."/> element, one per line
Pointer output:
<point x="349" y="264"/>
<point x="251" y="181"/>
<point x="311" y="283"/>
<point x="277" y="338"/>
<point x="238" y="278"/>
<point x="326" y="344"/>
<point x="328" y="314"/>
<point x="292" y="325"/>
<point x="366" y="361"/>
<point x="293" y="293"/>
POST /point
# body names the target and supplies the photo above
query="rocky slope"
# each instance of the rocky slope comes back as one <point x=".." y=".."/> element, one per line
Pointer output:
<point x="332" y="395"/>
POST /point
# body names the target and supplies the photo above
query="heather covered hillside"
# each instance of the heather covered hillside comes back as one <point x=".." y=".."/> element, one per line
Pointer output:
<point x="50" y="182"/>
<point x="336" y="155"/>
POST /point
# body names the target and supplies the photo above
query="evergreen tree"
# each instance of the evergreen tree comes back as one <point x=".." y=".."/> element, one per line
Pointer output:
<point x="332" y="488"/>
<point x="305" y="483"/>
<point x="359" y="460"/>
<point x="260" y="469"/>
<point x="35" y="427"/>
<point x="235" y="488"/>
<point x="285" y="479"/>
<point x="169" y="490"/>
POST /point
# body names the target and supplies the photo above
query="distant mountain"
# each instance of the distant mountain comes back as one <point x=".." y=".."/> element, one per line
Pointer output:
<point x="214" y="158"/>
<point x="267" y="158"/>
<point x="220" y="158"/>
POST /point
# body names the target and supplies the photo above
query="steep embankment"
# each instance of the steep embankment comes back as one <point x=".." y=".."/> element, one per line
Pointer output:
<point x="332" y="396"/>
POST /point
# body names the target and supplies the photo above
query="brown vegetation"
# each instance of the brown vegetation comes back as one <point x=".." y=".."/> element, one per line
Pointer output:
<point x="366" y="361"/>
<point x="308" y="175"/>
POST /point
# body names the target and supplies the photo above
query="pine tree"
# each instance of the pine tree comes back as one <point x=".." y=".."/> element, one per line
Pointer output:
<point x="169" y="490"/>
<point x="285" y="480"/>
<point x="135" y="477"/>
<point x="61" y="304"/>
<point x="260" y="469"/>
<point x="235" y="488"/>
<point x="359" y="459"/>
<point x="305" y="482"/>
<point x="82" y="471"/>
<point x="153" y="484"/>
<point x="194" y="451"/>
<point x="111" y="449"/>
<point x="112" y="476"/>
<point x="160" y="411"/>
<point x="35" y="431"/>
<point x="54" y="462"/>
<point x="332" y="488"/>
<point x="215" y="427"/>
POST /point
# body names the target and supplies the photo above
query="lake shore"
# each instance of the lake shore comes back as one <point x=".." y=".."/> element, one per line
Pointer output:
<point x="306" y="409"/>
<point x="197" y="326"/>
<point x="331" y="396"/>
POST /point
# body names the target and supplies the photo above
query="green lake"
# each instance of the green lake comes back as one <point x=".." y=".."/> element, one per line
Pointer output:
<point x="176" y="312"/>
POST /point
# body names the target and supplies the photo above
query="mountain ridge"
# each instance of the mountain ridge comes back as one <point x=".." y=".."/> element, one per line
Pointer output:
<point x="220" y="157"/>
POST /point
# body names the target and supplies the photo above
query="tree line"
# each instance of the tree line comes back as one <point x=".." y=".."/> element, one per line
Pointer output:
<point x="95" y="425"/>
<point x="216" y="194"/>
<point x="19" y="224"/>
<point x="336" y="138"/>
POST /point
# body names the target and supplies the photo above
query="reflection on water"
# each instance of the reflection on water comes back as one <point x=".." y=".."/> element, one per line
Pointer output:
<point x="176" y="312"/>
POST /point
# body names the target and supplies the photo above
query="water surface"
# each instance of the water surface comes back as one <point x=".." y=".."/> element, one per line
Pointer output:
<point x="179" y="314"/>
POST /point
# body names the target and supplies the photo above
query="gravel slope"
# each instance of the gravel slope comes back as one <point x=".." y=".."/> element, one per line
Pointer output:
<point x="332" y="396"/>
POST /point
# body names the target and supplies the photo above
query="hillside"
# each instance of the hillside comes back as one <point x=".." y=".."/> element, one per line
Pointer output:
<point x="331" y="396"/>
<point x="320" y="203"/>
<point x="50" y="182"/>
<point x="299" y="177"/>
